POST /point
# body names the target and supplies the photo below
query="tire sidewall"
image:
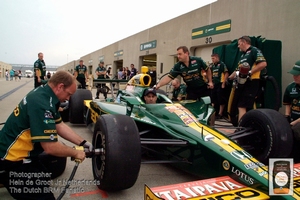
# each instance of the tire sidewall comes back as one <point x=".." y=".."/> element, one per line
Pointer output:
<point x="273" y="128"/>
<point x="120" y="140"/>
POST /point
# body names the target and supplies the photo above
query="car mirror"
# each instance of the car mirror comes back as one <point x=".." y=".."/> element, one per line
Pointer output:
<point x="130" y="102"/>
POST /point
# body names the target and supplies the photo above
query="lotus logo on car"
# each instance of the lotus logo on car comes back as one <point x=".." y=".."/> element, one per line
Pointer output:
<point x="226" y="165"/>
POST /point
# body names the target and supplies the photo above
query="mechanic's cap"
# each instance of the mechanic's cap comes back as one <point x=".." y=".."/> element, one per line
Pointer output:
<point x="150" y="90"/>
<point x="296" y="69"/>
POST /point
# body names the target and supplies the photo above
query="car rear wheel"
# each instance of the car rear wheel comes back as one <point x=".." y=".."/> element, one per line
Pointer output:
<point x="76" y="106"/>
<point x="119" y="166"/>
<point x="271" y="135"/>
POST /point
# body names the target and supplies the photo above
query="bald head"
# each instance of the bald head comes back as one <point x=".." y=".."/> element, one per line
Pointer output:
<point x="175" y="83"/>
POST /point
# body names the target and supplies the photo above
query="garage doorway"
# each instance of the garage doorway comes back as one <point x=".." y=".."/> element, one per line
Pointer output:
<point x="205" y="51"/>
<point x="118" y="64"/>
<point x="150" y="61"/>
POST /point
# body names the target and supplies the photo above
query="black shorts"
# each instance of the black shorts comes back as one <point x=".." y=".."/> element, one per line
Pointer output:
<point x="82" y="82"/>
<point x="218" y="95"/>
<point x="245" y="94"/>
<point x="195" y="93"/>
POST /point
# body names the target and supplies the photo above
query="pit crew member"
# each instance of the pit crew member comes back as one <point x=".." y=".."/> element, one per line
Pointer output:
<point x="219" y="75"/>
<point x="34" y="127"/>
<point x="179" y="91"/>
<point x="193" y="70"/>
<point x="81" y="74"/>
<point x="101" y="74"/>
<point x="245" y="95"/>
<point x="39" y="70"/>
<point x="291" y="100"/>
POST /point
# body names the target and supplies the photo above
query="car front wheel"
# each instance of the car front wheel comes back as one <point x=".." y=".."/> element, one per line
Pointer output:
<point x="118" y="167"/>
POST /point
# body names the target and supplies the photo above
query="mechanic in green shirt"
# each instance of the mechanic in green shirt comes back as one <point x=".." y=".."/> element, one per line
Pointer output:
<point x="245" y="94"/>
<point x="179" y="91"/>
<point x="81" y="74"/>
<point x="39" y="70"/>
<point x="34" y="127"/>
<point x="194" y="72"/>
<point x="101" y="74"/>
<point x="219" y="75"/>
<point x="291" y="100"/>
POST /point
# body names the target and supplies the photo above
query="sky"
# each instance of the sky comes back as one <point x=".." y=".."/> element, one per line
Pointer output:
<point x="65" y="30"/>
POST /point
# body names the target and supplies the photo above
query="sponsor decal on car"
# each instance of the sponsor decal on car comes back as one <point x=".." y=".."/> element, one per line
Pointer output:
<point x="215" y="188"/>
<point x="242" y="175"/>
<point x="209" y="137"/>
<point x="254" y="165"/>
<point x="184" y="114"/>
<point x="240" y="155"/>
<point x="226" y="165"/>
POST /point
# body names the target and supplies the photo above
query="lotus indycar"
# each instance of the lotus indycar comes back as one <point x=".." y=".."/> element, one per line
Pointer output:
<point x="131" y="132"/>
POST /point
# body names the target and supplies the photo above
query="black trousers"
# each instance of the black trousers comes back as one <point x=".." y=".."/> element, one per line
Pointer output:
<point x="26" y="181"/>
<point x="82" y="82"/>
<point x="36" y="83"/>
<point x="101" y="89"/>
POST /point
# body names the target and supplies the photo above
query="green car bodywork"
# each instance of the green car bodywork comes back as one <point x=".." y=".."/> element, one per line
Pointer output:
<point x="182" y="133"/>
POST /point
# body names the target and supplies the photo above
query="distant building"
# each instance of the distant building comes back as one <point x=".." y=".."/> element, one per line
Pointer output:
<point x="3" y="67"/>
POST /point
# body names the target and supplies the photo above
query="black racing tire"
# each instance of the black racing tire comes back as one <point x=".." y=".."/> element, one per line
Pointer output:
<point x="274" y="138"/>
<point x="76" y="106"/>
<point x="119" y="166"/>
<point x="65" y="113"/>
<point x="54" y="165"/>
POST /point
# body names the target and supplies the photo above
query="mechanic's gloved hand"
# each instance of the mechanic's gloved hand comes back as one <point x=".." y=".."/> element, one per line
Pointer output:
<point x="87" y="144"/>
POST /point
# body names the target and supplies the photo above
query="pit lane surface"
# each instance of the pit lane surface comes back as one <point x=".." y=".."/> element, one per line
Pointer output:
<point x="82" y="188"/>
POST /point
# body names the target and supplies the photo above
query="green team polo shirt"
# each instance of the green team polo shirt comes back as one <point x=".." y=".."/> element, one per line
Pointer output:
<point x="191" y="74"/>
<point x="32" y="121"/>
<point x="252" y="56"/>
<point x="40" y="65"/>
<point x="101" y="69"/>
<point x="292" y="97"/>
<point x="218" y="72"/>
<point x="81" y="70"/>
<point x="180" y="91"/>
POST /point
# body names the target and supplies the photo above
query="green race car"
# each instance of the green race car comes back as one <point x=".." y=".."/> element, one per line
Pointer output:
<point x="131" y="132"/>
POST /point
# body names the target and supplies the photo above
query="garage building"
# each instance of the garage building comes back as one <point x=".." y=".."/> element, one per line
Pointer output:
<point x="201" y="31"/>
